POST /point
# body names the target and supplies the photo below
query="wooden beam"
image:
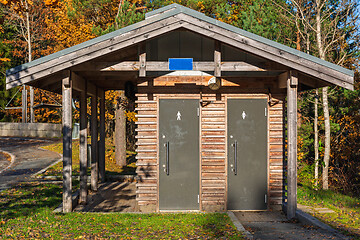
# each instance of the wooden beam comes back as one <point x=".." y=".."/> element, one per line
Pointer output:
<point x="83" y="147"/>
<point x="148" y="31"/>
<point x="154" y="66"/>
<point x="217" y="59"/>
<point x="96" y="50"/>
<point x="292" y="143"/>
<point x="94" y="142"/>
<point x="268" y="52"/>
<point x="142" y="60"/>
<point x="283" y="78"/>
<point x="102" y="136"/>
<point x="80" y="84"/>
<point x="67" y="143"/>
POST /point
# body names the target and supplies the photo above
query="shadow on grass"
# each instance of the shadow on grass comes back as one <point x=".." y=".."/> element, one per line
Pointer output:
<point x="129" y="169"/>
<point x="218" y="225"/>
<point x="28" y="199"/>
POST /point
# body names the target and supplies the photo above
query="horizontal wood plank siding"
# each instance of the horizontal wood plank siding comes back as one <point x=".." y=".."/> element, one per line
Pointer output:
<point x="213" y="155"/>
<point x="146" y="147"/>
<point x="276" y="153"/>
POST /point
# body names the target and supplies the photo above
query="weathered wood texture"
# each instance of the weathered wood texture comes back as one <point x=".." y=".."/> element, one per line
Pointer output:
<point x="213" y="150"/>
<point x="276" y="152"/>
<point x="67" y="143"/>
<point x="292" y="144"/>
<point x="102" y="136"/>
<point x="24" y="104"/>
<point x="213" y="153"/>
<point x="94" y="145"/>
<point x="83" y="148"/>
<point x="147" y="164"/>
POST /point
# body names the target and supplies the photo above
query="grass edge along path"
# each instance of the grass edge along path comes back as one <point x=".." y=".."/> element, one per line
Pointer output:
<point x="26" y="211"/>
<point x="346" y="218"/>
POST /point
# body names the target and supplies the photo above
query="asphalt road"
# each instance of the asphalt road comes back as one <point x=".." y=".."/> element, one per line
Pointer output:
<point x="29" y="158"/>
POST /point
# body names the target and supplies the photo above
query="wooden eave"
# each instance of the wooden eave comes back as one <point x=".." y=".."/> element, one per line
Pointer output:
<point x="47" y="72"/>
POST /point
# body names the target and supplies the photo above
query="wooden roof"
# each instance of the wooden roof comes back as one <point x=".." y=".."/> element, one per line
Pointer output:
<point x="47" y="72"/>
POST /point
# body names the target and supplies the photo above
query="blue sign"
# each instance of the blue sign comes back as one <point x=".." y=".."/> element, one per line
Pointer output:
<point x="180" y="64"/>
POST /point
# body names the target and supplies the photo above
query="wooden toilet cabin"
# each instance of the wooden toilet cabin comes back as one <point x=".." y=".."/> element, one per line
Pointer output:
<point x="211" y="101"/>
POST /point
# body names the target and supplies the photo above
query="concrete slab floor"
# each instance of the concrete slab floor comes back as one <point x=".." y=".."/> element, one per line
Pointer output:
<point x="274" y="225"/>
<point x="111" y="197"/>
<point x="309" y="209"/>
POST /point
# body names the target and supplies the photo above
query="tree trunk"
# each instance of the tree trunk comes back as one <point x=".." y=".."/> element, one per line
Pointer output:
<point x="316" y="138"/>
<point x="320" y="46"/>
<point x="325" y="174"/>
<point x="120" y="133"/>
<point x="32" y="116"/>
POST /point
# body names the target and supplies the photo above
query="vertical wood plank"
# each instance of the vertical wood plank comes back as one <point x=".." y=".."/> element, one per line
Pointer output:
<point x="24" y="104"/>
<point x="142" y="60"/>
<point x="217" y="59"/>
<point x="32" y="116"/>
<point x="94" y="141"/>
<point x="83" y="147"/>
<point x="67" y="144"/>
<point x="292" y="144"/>
<point x="102" y="137"/>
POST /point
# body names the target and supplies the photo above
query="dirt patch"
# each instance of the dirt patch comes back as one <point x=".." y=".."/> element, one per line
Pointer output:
<point x="111" y="197"/>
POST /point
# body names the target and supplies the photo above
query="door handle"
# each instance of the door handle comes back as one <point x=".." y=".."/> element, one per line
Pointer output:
<point x="167" y="158"/>
<point x="235" y="157"/>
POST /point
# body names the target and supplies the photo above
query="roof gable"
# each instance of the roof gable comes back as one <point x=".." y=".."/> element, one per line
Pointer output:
<point x="170" y="18"/>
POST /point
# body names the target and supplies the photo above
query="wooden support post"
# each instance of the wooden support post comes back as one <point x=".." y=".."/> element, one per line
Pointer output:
<point x="94" y="143"/>
<point x="292" y="84"/>
<point x="67" y="144"/>
<point x="120" y="133"/>
<point x="24" y="104"/>
<point x="83" y="147"/>
<point x="102" y="137"/>
<point x="142" y="60"/>
<point x="32" y="116"/>
<point x="217" y="59"/>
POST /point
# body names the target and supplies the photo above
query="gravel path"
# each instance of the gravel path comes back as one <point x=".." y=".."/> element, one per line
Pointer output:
<point x="29" y="159"/>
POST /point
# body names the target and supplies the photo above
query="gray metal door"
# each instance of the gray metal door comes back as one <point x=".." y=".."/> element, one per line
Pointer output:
<point x="247" y="154"/>
<point x="179" y="154"/>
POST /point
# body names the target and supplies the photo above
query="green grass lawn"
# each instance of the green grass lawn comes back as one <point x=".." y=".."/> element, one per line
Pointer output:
<point x="111" y="167"/>
<point x="26" y="212"/>
<point x="347" y="209"/>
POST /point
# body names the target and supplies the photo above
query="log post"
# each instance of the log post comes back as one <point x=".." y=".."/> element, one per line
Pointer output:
<point x="292" y="83"/>
<point x="83" y="147"/>
<point x="94" y="141"/>
<point x="102" y="137"/>
<point x="67" y="144"/>
<point x="217" y="59"/>
<point x="142" y="60"/>
<point x="32" y="114"/>
<point x="24" y="104"/>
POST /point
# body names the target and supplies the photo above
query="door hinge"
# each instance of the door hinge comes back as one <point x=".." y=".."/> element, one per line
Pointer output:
<point x="265" y="198"/>
<point x="198" y="112"/>
<point x="198" y="198"/>
<point x="265" y="112"/>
